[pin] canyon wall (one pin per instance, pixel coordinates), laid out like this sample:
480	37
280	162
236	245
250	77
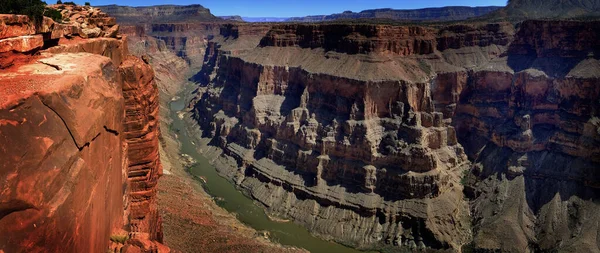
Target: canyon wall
530	123
551	9
184	29
79	138
438	137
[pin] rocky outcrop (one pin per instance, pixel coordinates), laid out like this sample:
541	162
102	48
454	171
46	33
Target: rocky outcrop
190	40
378	155
55	167
83	21
141	135
15	26
83	115
438	14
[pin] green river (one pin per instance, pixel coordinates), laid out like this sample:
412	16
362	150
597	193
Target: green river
246	210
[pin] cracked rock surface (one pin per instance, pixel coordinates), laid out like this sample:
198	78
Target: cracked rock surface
79	158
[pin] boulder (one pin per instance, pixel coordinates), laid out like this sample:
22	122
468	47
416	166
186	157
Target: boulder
89	33
112	32
21	44
108	21
15	25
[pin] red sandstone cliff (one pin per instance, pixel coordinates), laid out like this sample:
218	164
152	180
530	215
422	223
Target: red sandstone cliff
79	135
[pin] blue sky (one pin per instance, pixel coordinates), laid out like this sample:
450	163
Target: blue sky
294	8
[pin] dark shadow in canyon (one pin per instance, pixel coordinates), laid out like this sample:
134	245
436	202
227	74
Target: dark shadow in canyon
556	67
202	78
546	173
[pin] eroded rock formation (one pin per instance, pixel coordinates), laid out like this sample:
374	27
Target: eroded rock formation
79	138
366	134
530	122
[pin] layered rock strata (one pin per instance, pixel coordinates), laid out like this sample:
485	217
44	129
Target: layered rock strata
141	135
375	155
363	159
386	39
530	123
187	41
80	139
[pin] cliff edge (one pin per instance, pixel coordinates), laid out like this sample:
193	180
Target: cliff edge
79	137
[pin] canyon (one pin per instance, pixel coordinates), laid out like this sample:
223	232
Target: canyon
402	137
422	137
82	145
479	135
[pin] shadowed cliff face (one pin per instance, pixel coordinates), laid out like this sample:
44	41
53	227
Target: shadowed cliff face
385	39
519	10
374	135
79	137
553	8
532	131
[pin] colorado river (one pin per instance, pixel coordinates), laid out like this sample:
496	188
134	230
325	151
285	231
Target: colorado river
232	200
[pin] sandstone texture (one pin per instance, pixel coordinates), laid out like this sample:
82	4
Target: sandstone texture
141	128
448	137
55	165
79	134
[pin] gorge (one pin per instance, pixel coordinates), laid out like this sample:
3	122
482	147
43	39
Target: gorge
478	135
436	140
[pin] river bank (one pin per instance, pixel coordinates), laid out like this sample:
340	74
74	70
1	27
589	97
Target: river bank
214	169
192	221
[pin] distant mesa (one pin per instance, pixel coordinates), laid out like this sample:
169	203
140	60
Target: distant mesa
160	14
265	19
232	18
437	14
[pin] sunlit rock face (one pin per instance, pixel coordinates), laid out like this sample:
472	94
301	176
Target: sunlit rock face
380	135
79	134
